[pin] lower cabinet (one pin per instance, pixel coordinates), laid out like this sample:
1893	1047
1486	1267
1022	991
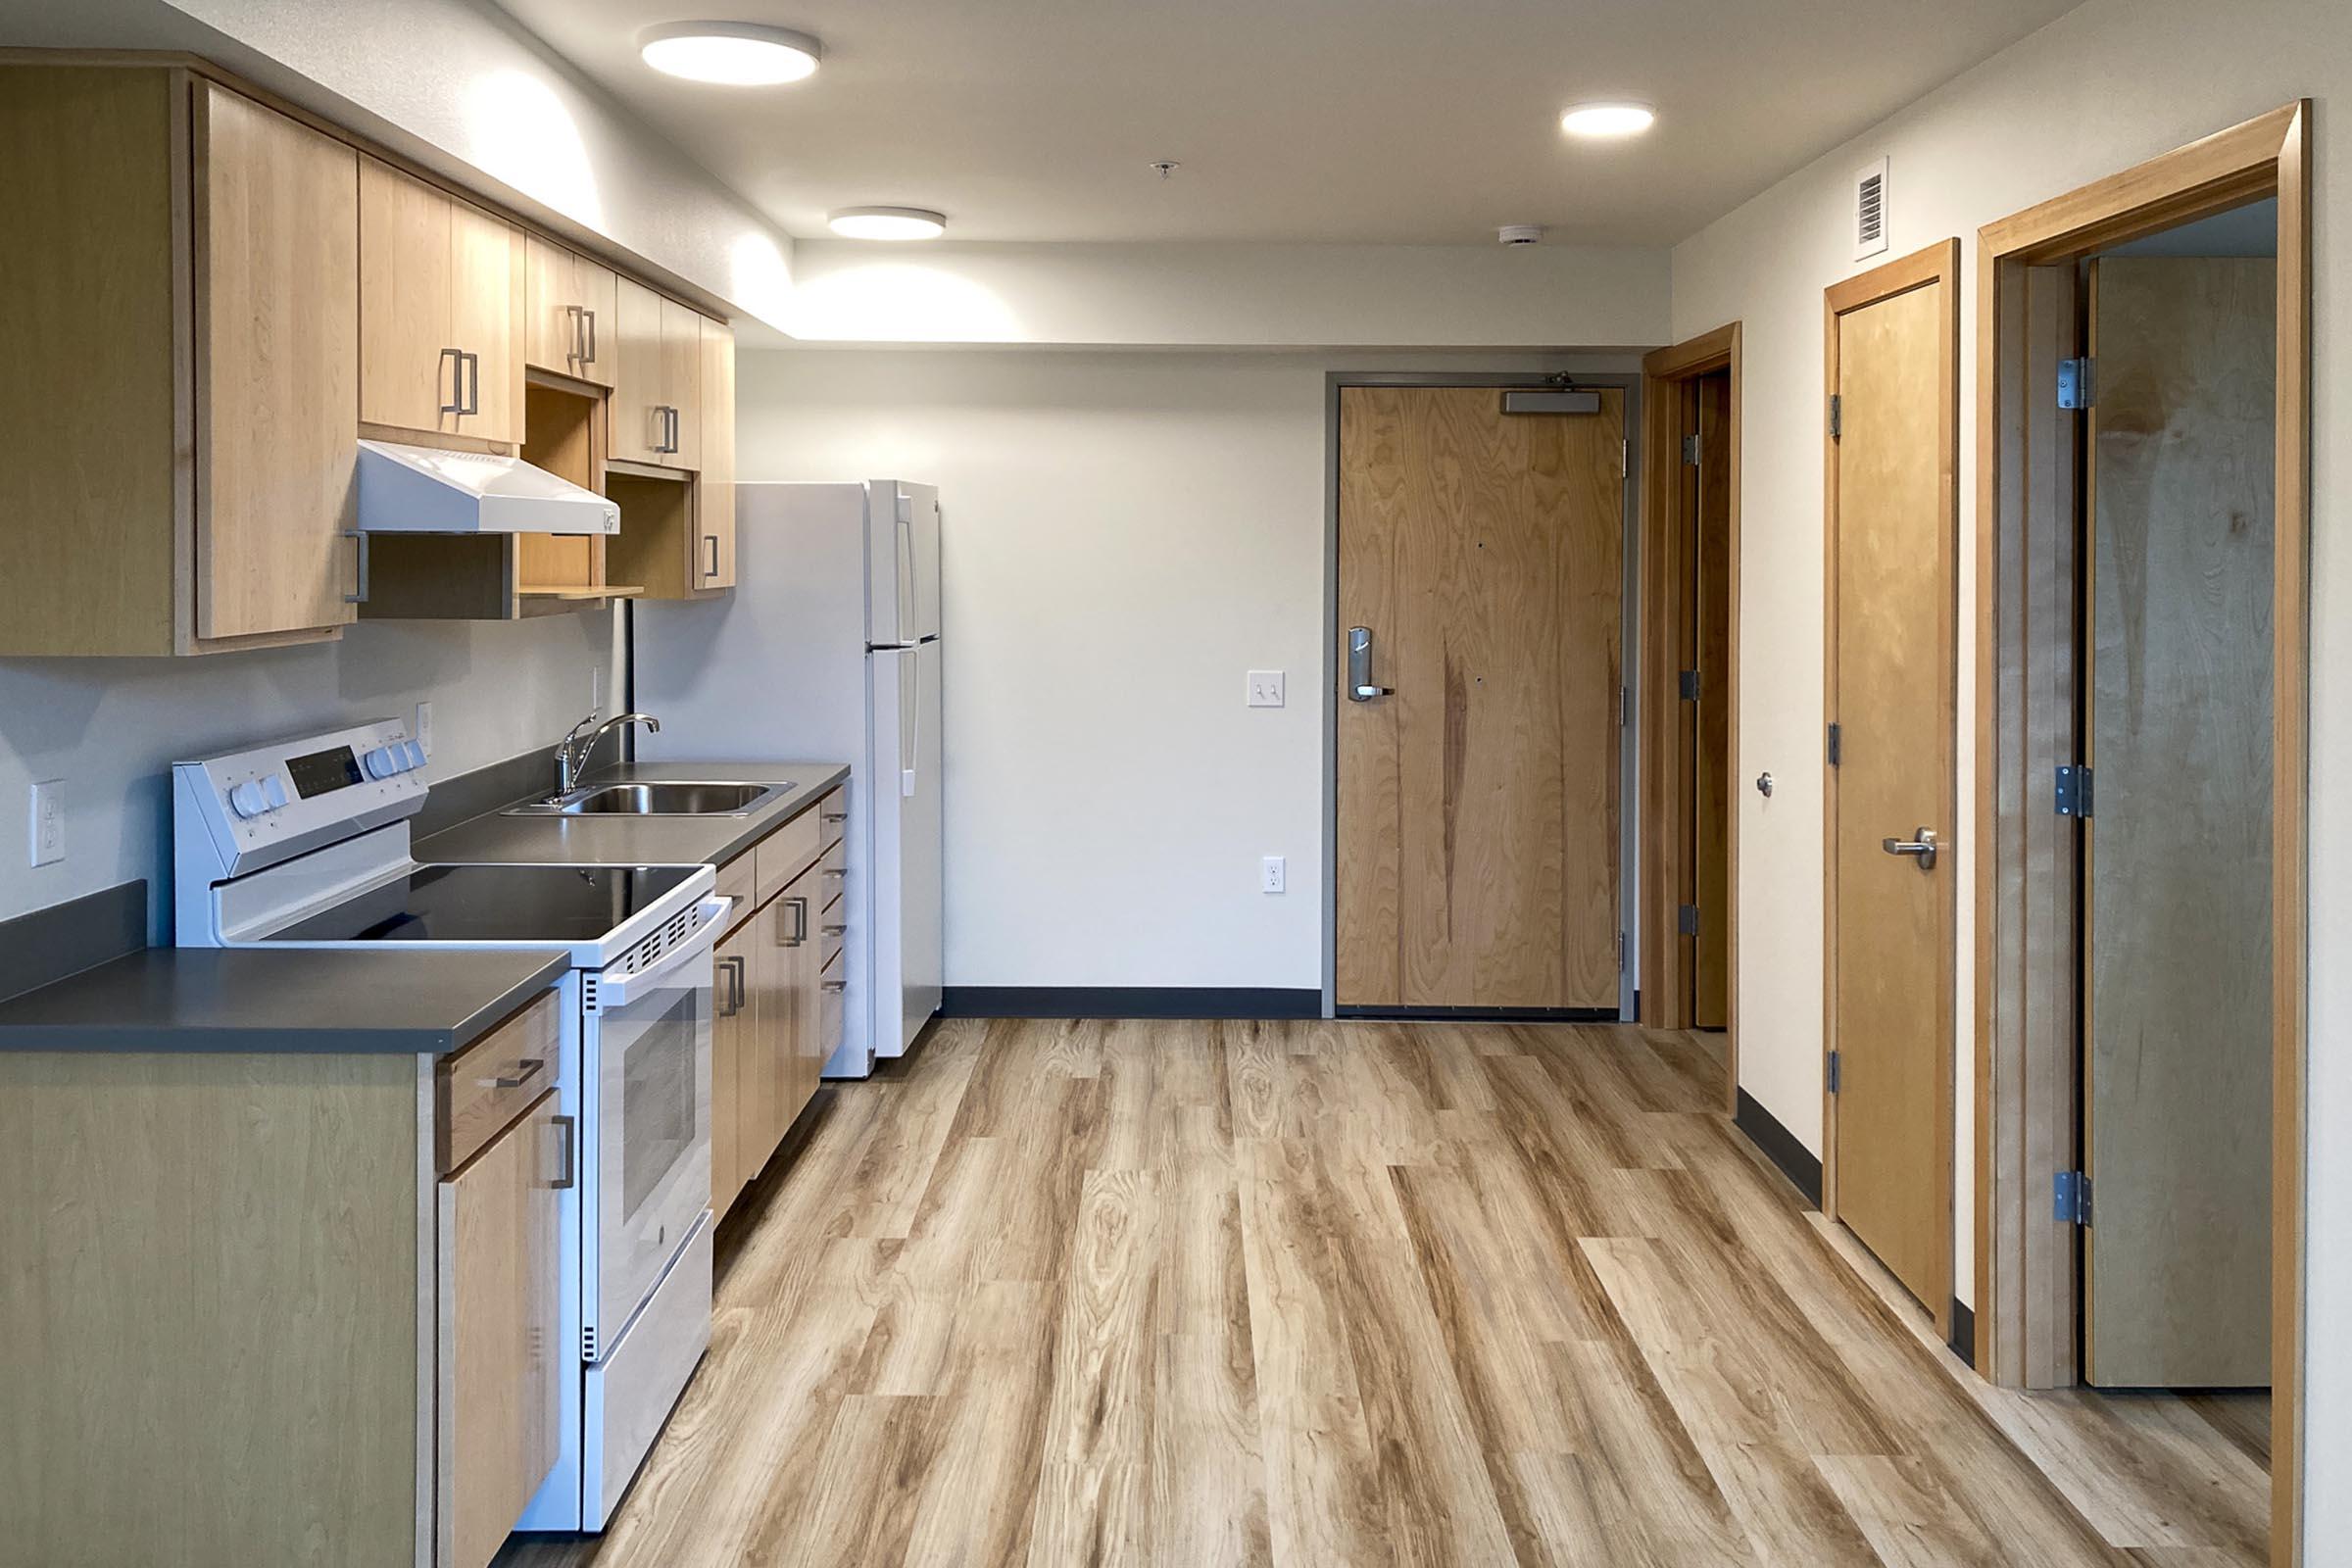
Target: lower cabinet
779	993
498	1402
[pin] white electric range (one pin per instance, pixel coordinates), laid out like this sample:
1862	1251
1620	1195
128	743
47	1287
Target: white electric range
306	842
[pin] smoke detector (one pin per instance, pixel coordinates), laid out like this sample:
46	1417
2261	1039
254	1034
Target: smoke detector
1520	233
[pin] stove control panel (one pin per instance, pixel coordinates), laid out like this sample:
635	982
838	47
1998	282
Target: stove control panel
266	802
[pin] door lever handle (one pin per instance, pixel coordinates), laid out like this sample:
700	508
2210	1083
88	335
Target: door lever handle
1922	848
1361	688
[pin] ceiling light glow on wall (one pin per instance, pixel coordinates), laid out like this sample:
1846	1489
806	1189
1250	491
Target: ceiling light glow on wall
1602	121
731	54
888	223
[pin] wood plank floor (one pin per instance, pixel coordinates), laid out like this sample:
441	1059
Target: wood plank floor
1354	1294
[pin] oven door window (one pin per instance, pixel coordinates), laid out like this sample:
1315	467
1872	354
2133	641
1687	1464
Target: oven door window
658	1102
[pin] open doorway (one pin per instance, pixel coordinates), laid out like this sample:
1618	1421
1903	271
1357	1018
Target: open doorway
1690	606
2142	511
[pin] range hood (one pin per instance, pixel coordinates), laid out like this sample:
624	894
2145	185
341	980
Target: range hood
405	489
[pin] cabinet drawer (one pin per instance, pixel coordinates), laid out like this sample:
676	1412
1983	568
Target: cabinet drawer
833	816
737	880
785	854
491	1082
833	926
832	875
831	988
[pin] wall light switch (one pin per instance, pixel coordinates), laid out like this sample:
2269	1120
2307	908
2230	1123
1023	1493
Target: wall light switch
48	839
1265	688
423	729
1270	875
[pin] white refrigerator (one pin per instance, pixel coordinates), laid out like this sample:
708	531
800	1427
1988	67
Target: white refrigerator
829	649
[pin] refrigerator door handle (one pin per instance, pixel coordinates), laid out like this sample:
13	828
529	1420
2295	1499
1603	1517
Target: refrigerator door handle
908	631
910	727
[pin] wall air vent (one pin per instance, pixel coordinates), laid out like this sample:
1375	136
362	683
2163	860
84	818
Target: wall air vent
1869	210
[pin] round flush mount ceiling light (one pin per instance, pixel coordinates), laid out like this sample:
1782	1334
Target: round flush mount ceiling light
1604	121
888	223
731	54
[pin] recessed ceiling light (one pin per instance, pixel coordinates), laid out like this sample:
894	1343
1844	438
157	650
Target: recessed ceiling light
1607	119
888	223
732	54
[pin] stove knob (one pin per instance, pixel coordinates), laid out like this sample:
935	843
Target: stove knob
274	794
380	762
247	798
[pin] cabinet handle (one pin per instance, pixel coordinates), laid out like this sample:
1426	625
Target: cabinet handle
474	404
836	816
577	316
712	540
359	540
733	966
590	356
800	923
834	930
526	1069
572	1152
837	984
456	382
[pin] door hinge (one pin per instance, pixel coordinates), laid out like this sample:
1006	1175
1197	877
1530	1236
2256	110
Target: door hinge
1621	952
1691	449
1837	1076
1836	415
1689	685
1837	744
2078	382
1625	458
1625	706
2070	1197
2073	791
1685	920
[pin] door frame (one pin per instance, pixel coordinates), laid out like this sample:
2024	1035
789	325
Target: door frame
1937	263
1667	781
2026	985
1335	661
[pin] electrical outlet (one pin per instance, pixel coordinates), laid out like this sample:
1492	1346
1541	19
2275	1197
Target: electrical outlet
48	826
423	729
1270	875
1265	688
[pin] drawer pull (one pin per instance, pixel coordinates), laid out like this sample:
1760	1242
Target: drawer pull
837	984
835	930
836	816
572	1150
799	922
528	1069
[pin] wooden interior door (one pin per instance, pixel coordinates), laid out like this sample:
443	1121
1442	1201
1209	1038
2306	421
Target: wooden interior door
1477	811
1892	695
2176	1033
1710	655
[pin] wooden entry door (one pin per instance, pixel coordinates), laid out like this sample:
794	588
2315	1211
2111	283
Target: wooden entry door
1892	693
2177	1032
1477	811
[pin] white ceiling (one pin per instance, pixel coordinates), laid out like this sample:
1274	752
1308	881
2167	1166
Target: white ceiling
1370	120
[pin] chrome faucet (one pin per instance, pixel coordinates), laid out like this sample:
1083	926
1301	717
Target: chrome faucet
574	750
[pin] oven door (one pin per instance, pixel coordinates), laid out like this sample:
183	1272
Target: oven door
648	1046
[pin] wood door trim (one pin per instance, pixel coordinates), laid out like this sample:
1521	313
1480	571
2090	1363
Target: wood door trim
1937	263
2268	154
1663	786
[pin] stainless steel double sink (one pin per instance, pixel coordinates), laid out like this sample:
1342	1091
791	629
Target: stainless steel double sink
656	797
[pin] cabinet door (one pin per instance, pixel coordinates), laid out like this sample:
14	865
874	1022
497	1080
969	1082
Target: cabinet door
408	364
802	1064
570	312
485	273
277	369
682	383
736	1011
640	428
714	487
497	1411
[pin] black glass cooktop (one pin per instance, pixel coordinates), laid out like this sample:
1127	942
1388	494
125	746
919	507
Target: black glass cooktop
550	904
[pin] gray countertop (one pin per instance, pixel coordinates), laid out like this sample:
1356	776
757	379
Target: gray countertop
296	999
497	840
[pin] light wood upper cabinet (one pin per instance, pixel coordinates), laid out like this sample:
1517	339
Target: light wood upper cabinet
714	487
573	309
178	400
498	1406
440	284
658	381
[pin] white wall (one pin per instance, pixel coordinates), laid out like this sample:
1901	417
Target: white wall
462	88
1125	535
110	728
2104	87
1230	296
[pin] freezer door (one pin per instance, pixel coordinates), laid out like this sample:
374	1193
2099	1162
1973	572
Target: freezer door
902	562
922	874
